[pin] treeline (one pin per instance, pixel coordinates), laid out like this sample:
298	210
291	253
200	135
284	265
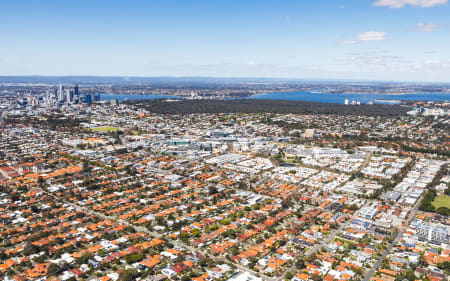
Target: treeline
49	122
86	162
161	106
426	150
427	202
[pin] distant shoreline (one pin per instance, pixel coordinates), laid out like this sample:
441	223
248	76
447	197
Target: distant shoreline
354	93
306	96
363	98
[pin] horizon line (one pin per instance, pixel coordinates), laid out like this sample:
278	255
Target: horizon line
227	77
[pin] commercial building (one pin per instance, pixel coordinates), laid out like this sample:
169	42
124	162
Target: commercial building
433	234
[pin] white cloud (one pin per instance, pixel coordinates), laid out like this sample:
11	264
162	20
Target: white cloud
383	61
396	4
432	62
426	27
371	36
435	65
348	42
365	36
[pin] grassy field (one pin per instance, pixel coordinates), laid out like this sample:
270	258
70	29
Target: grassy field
441	201
106	129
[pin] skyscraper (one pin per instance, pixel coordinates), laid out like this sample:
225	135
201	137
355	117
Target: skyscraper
88	99
70	96
76	98
61	93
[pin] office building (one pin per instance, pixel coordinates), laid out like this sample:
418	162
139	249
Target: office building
433	234
61	93
114	102
88	99
76	94
69	96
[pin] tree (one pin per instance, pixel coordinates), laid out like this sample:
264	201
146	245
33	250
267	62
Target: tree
443	211
101	253
195	232
286	203
30	249
35	209
127	275
83	259
300	264
243	185
212	190
86	167
41	180
160	220
133	258
185	237
52	269
409	274
289	275
14	196
426	204
393	234
445	266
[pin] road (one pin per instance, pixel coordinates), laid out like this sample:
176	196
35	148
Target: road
406	222
177	243
413	212
317	247
383	256
328	239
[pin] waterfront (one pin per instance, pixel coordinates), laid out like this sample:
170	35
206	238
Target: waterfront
309	96
363	98
122	97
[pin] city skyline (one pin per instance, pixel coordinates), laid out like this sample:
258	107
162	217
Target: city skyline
403	40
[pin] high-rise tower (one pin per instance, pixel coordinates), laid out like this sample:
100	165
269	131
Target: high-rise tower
61	93
69	96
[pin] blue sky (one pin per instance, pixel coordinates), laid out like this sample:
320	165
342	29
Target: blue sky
327	39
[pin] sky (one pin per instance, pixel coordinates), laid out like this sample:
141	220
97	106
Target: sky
400	40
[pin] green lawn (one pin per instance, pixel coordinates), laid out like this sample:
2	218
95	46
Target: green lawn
441	201
344	241
106	129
